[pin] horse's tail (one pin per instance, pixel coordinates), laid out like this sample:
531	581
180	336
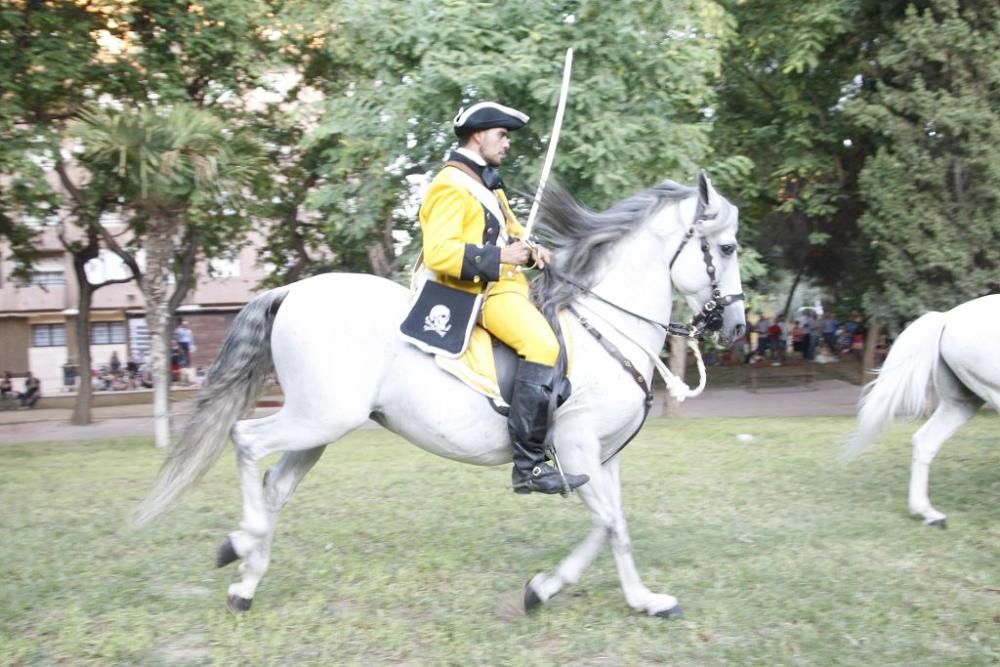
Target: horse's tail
230	391
903	382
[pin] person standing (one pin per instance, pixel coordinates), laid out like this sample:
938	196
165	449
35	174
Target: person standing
6	386
32	391
185	341
474	243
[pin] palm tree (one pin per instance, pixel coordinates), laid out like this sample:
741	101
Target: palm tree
166	167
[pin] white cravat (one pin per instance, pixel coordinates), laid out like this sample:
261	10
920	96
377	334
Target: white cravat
472	155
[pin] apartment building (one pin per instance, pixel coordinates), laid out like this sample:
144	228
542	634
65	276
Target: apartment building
38	321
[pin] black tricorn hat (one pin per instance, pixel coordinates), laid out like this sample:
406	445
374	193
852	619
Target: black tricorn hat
486	115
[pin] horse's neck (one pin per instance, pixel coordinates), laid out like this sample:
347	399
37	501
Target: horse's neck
637	280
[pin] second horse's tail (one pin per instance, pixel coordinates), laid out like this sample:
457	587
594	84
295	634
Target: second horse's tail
230	391
903	382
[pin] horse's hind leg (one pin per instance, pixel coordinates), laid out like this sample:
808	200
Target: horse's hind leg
280	481
255	439
946	420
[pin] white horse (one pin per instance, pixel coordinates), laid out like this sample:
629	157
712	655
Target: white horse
946	356
335	346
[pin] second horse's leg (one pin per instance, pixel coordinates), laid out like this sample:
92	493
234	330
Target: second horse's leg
946	420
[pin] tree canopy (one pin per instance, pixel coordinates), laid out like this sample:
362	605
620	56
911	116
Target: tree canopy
857	135
932	186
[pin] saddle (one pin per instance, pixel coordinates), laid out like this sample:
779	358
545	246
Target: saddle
488	366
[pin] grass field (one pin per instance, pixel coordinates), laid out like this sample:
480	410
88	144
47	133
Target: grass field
388	555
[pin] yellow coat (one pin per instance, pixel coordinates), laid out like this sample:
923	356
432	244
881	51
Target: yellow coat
460	237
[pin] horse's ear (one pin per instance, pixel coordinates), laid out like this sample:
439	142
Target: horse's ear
707	194
705	189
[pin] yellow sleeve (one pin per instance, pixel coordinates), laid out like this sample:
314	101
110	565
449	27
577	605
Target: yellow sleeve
448	249
442	218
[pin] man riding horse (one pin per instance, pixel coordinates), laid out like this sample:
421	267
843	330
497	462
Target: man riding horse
471	250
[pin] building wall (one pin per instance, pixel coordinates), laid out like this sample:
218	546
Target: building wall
46	363
209	330
221	291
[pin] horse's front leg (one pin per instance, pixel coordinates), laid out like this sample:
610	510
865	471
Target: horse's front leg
544	586
607	502
602	495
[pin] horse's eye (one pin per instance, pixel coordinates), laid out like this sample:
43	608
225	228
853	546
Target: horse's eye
728	249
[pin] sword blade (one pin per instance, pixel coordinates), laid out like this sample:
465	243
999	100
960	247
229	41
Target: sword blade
553	142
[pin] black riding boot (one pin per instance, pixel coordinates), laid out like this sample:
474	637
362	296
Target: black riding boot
528	423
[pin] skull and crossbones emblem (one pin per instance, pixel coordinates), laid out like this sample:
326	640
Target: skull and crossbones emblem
437	320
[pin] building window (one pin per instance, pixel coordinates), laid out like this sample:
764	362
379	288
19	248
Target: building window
106	266
48	335
48	271
224	267
107	333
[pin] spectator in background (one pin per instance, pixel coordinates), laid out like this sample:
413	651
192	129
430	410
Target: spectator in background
6	386
176	361
116	364
185	340
775	341
32	391
808	346
132	369
852	324
798	336
828	327
762	327
70	372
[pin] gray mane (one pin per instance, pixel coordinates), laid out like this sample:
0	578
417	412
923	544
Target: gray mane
580	238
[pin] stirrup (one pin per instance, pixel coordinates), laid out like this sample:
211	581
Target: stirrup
527	483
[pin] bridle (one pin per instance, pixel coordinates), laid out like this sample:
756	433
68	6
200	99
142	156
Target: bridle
709	318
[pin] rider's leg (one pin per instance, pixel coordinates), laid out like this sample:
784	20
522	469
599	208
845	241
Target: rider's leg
512	318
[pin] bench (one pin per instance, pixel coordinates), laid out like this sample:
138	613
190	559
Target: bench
759	378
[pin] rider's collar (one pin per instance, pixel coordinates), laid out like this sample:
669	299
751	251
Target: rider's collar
491	179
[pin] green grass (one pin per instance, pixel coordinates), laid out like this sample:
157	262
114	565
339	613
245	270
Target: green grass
388	555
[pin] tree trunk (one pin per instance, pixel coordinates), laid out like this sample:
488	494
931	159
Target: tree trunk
84	394
868	360
791	292
678	365
159	251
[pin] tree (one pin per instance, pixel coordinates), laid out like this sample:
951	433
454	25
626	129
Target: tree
47	56
932	189
58	58
788	73
178	172
637	111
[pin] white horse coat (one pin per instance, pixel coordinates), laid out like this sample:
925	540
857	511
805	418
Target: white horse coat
336	349
951	356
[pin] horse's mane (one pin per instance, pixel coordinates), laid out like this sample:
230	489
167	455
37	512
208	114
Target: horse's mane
581	238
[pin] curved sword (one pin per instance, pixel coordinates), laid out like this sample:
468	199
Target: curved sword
553	142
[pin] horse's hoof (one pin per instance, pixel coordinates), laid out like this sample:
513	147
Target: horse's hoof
938	523
227	554
531	599
673	612
237	604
